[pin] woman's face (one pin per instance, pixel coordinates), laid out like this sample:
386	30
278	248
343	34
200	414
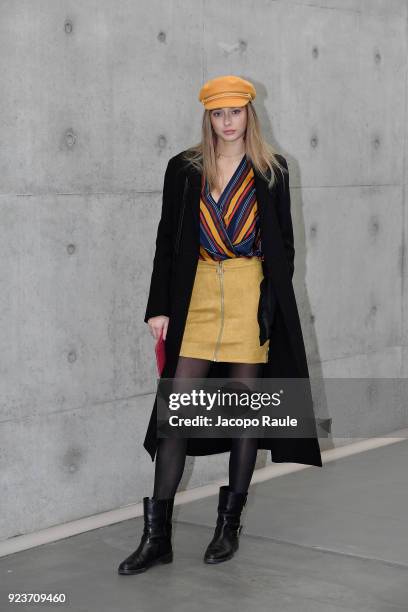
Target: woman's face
229	122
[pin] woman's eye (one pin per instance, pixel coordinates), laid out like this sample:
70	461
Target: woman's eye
235	112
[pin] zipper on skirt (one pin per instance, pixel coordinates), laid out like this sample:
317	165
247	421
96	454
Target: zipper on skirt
220	272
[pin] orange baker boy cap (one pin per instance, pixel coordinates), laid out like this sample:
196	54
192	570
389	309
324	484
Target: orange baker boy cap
226	91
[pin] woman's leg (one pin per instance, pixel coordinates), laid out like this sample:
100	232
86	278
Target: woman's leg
232	498
155	545
243	450
171	452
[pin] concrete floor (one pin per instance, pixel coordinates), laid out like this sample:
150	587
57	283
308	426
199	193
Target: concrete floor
321	539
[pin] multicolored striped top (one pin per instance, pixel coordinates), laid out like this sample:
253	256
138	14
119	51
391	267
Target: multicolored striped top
230	227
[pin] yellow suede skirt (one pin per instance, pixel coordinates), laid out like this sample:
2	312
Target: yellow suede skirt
222	320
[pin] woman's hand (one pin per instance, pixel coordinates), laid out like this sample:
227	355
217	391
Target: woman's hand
157	324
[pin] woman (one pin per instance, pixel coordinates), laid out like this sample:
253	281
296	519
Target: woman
221	294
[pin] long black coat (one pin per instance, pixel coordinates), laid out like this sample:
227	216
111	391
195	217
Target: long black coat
172	283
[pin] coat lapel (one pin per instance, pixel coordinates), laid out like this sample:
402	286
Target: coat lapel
262	194
194	191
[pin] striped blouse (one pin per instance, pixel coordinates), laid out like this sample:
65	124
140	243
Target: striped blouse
230	227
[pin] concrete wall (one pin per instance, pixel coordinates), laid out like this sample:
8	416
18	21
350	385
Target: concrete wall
95	98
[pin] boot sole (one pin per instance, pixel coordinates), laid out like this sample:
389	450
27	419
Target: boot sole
164	559
213	561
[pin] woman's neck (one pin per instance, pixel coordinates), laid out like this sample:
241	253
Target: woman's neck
230	150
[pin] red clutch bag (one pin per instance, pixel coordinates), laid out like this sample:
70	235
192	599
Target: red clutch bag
160	350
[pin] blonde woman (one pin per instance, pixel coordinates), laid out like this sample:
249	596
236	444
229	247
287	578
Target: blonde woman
221	295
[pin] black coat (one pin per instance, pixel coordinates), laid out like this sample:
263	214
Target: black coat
172	283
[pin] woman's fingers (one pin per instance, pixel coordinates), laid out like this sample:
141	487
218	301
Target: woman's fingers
155	330
165	326
158	326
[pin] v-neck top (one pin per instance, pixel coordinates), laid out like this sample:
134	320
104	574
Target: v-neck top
230	227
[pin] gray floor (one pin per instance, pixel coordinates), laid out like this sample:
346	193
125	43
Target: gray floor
322	539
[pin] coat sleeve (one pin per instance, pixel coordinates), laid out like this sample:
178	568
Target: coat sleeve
158	302
285	218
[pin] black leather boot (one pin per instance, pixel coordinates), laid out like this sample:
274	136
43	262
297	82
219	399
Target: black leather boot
226	537
155	546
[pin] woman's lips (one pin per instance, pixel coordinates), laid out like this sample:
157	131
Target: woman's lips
229	131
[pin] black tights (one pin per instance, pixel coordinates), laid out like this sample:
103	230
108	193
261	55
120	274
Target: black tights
171	452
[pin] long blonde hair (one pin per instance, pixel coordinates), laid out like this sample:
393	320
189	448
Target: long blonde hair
260	153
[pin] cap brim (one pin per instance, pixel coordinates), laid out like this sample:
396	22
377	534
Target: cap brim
226	102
